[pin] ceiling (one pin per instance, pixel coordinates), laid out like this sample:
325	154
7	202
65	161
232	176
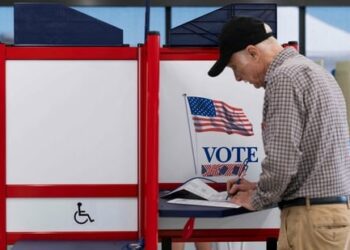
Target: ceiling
169	3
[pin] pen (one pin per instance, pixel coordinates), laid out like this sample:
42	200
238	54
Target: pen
245	168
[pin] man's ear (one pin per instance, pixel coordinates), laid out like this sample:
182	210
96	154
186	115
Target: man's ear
253	52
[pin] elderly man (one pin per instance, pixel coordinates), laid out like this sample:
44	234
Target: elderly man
305	134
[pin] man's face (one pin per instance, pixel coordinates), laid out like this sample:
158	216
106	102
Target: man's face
247	67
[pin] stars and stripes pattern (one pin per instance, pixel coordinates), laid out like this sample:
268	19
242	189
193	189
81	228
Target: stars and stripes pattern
222	169
216	116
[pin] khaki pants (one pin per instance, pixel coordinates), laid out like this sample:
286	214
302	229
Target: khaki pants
315	227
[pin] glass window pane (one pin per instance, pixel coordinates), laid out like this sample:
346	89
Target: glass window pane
130	19
287	24
6	24
328	34
181	15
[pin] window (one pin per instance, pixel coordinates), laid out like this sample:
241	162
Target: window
328	34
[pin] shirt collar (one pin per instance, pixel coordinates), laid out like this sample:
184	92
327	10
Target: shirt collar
279	60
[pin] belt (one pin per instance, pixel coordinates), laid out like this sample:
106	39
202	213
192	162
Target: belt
313	201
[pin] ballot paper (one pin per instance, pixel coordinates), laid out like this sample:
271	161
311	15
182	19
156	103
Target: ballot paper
197	192
203	203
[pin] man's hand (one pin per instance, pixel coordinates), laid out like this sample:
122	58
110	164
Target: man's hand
241	193
243	198
244	185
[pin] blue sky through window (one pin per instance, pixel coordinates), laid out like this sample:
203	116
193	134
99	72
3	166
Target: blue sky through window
334	16
333	21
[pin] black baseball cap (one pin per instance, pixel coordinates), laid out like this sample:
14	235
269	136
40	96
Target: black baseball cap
236	35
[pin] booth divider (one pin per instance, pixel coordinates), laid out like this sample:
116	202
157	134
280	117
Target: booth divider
149	139
2	149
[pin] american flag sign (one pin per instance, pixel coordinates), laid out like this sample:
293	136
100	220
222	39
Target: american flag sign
216	116
222	169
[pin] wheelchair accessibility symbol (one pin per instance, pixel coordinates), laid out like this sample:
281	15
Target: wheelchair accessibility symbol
80	216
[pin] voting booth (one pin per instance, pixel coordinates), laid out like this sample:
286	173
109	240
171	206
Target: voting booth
210	152
209	128
74	158
90	134
71	144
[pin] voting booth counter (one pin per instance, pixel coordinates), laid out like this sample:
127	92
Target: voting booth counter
89	135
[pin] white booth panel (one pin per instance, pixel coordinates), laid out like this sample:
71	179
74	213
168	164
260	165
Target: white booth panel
56	214
176	158
191	78
71	122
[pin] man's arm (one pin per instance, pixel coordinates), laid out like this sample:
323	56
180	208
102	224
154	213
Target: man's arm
284	129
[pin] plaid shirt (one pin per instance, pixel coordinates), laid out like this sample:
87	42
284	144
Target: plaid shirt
305	133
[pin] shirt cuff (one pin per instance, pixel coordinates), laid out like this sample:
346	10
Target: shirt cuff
258	202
